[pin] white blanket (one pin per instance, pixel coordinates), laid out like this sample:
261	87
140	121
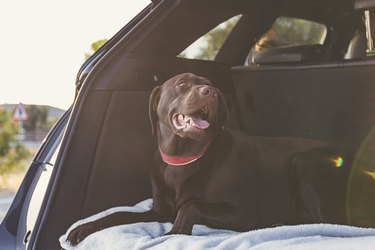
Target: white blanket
151	236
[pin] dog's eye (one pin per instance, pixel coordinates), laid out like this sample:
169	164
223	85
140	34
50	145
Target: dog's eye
181	84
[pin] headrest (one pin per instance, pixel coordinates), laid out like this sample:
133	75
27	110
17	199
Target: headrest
289	54
364	4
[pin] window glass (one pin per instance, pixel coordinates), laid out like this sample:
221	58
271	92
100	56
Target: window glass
207	46
288	31
40	189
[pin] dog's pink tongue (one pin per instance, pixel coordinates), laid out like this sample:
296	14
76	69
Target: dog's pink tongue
186	122
199	123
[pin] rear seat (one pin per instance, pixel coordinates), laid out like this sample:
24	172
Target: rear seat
329	101
357	47
289	54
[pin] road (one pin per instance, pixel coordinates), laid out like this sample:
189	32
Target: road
5	201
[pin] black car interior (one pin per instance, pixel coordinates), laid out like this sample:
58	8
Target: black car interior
292	91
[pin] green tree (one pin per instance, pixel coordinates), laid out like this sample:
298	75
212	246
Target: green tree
7	131
215	39
293	31
38	118
11	153
209	45
288	31
95	46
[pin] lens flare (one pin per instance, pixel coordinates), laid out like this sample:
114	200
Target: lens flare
361	184
338	161
370	173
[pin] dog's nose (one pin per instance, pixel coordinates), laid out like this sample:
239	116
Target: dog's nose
206	91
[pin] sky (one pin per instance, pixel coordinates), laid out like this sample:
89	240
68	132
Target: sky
43	43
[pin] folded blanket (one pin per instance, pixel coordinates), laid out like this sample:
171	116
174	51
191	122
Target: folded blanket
151	236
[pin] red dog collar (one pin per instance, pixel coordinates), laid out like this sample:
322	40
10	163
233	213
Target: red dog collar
178	161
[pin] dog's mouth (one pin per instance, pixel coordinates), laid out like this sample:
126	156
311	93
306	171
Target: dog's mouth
196	120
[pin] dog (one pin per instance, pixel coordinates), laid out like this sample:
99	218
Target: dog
205	173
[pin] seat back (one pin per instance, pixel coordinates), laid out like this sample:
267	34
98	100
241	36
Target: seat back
333	101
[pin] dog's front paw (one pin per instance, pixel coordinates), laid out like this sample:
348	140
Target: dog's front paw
81	232
178	230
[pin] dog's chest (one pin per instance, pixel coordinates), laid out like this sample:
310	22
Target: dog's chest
179	178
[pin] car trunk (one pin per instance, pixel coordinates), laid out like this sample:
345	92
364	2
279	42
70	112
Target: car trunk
110	144
113	147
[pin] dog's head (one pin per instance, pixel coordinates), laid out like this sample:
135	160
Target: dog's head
189	105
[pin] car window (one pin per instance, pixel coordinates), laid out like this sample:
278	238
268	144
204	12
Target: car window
207	46
287	31
40	189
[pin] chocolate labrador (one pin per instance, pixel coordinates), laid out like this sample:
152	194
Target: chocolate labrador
204	173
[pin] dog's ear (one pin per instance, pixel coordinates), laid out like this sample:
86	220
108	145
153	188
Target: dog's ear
223	110
152	107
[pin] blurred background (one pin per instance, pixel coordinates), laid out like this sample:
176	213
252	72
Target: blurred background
44	43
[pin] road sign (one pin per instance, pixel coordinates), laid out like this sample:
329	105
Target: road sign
20	113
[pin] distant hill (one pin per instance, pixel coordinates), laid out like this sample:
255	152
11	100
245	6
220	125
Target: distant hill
53	113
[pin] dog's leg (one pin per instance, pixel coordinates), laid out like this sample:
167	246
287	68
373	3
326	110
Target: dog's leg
119	218
215	215
319	177
307	201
